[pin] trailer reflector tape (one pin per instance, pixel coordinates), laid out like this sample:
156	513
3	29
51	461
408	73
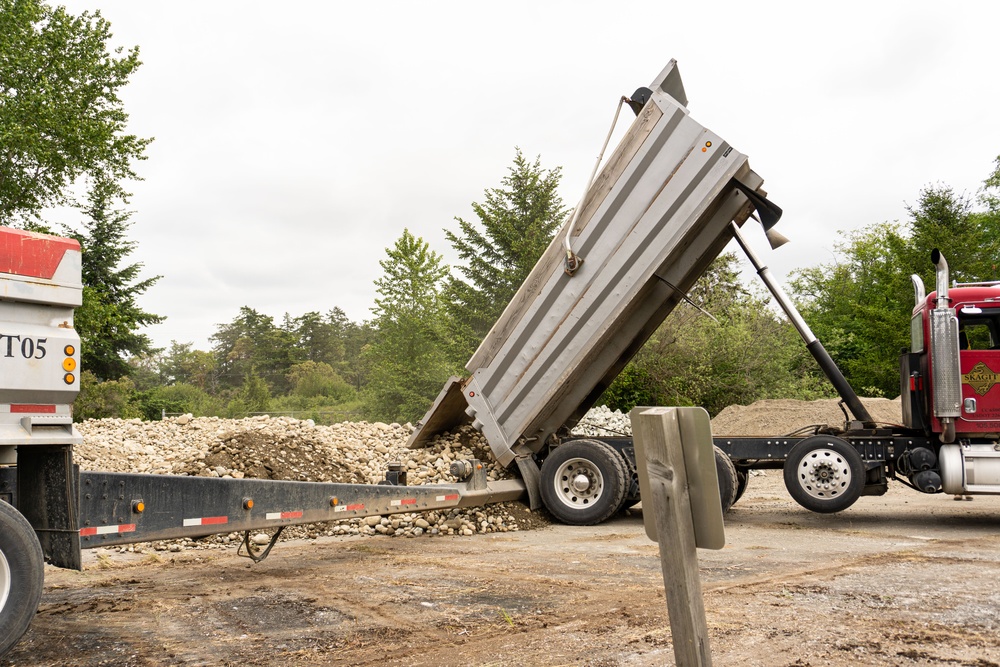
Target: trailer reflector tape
206	521
37	409
108	530
403	501
271	516
349	508
450	496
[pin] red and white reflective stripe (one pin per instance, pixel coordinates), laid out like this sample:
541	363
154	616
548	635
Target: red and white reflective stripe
349	508
108	530
206	521
271	516
450	496
403	501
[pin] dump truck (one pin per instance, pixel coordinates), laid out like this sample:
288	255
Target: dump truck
666	203
663	207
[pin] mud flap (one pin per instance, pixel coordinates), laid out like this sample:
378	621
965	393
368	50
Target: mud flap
532	480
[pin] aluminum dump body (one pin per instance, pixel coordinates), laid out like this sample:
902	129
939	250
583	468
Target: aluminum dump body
651	223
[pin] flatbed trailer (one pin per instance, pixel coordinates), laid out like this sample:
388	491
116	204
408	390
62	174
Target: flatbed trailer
50	510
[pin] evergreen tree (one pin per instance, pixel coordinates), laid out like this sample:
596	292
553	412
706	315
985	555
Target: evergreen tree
109	320
407	359
516	223
252	342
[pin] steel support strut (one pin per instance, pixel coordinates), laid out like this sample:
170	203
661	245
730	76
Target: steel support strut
815	347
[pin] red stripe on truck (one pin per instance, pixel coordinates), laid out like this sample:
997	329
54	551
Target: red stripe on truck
32	255
35	409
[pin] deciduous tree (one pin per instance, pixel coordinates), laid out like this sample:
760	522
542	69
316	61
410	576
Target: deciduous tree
61	116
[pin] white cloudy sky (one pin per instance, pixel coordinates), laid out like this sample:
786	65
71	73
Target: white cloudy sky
295	140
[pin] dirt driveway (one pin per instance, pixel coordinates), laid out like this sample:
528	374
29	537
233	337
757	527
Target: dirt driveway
904	579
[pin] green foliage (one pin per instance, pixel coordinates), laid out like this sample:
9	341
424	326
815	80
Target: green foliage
516	224
632	387
60	113
112	398
184	365
747	353
252	344
860	306
408	364
180	398
253	396
310	379
110	317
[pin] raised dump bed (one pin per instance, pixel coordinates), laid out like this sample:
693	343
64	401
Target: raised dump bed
650	224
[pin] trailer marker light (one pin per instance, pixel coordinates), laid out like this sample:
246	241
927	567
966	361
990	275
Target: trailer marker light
69	350
69	378
138	506
333	501
248	503
69	364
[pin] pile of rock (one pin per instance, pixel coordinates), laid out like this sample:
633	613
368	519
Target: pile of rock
290	449
602	421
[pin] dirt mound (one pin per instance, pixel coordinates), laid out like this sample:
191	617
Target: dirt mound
784	416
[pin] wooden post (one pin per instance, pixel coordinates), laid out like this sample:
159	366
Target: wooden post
667	513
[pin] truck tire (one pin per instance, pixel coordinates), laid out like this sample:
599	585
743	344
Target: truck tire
583	482
21	576
824	474
742	482
728	480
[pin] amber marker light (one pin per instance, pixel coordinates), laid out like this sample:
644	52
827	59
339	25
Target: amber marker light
69	378
248	503
69	350
69	364
138	506
334	501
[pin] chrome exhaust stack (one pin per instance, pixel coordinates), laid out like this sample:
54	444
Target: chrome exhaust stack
945	370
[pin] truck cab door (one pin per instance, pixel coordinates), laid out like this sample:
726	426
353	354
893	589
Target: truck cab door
979	361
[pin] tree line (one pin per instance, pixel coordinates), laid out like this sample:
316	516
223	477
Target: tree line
64	132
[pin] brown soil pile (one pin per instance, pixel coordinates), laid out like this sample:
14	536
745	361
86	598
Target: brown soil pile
784	416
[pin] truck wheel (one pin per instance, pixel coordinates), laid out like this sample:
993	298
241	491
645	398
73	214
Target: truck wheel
742	482
824	474
728	481
583	482
21	576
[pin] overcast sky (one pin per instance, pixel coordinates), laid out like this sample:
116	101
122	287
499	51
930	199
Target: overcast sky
294	141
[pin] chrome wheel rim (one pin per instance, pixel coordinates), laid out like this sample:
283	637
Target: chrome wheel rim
578	483
4	581
824	474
